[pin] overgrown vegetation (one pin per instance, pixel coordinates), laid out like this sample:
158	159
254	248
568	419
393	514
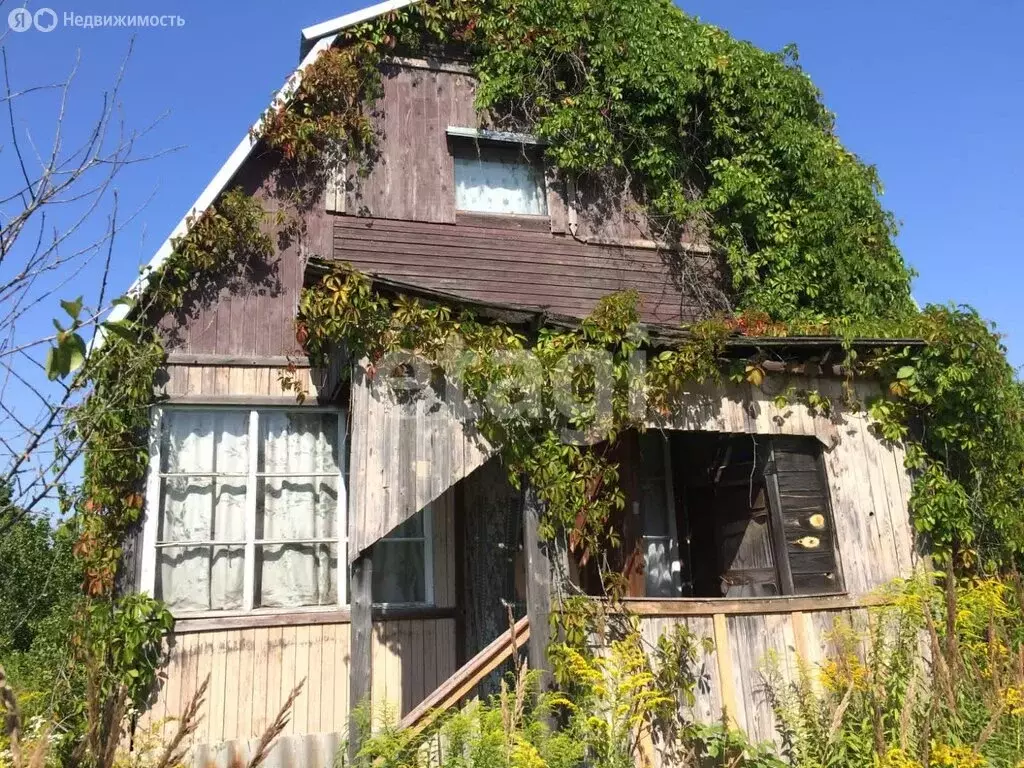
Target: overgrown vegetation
110	643
715	137
613	710
883	700
876	700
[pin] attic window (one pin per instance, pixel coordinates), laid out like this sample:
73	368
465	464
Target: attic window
497	173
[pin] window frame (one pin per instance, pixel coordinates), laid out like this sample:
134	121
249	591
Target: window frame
153	511
776	524
428	560
529	147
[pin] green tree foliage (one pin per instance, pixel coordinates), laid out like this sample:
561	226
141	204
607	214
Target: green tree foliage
39	584
959	407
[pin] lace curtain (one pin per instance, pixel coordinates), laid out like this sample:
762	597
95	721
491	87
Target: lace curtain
205	457
299	503
205	478
498	181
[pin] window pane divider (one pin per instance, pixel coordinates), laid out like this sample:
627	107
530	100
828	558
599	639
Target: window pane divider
249	562
298	475
200	543
283	542
205	474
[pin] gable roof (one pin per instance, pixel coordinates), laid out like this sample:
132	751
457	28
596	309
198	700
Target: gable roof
315	39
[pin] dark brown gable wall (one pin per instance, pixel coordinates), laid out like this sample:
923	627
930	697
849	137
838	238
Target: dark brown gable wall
251	311
399	218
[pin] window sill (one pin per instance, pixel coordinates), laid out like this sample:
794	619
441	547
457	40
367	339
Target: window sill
303	617
698	606
514	221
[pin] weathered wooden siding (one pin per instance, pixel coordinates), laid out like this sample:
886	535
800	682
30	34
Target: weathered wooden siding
732	675
400	463
237	381
403	457
413	175
410	181
500	261
252	672
251	309
868	483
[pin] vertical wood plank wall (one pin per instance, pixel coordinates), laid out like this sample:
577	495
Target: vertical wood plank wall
732	675
404	455
252	670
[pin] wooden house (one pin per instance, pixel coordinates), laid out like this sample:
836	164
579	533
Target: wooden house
369	546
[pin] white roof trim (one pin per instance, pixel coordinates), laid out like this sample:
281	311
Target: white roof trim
333	26
325	35
210	194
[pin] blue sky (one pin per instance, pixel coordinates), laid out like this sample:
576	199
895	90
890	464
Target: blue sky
929	92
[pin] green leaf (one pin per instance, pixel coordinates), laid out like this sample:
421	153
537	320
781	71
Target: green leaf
906	372
76	352
73	308
122	329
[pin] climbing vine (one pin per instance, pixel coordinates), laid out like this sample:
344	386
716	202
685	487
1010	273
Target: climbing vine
717	135
116	641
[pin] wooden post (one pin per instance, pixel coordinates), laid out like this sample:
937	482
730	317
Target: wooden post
538	585
361	650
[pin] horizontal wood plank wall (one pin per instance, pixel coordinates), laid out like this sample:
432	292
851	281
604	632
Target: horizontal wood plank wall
252	671
403	457
500	263
733	673
868	484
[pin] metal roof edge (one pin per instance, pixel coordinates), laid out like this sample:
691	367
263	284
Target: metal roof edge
335	25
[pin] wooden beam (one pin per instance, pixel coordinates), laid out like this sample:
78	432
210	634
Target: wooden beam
780	549
538	585
725	670
243	361
460	684
361	649
695	606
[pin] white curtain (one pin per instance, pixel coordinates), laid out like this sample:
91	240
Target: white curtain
203	507
662	571
499	183
297	507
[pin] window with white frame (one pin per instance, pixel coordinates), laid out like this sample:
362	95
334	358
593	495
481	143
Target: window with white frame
500	178
403	565
248	509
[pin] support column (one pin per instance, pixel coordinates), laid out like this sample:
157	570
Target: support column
538	585
361	648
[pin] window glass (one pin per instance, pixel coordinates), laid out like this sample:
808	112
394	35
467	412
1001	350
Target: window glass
498	179
661	551
206	480
399	563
